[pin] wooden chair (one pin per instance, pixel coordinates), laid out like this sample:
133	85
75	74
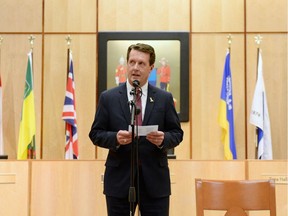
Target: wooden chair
235	196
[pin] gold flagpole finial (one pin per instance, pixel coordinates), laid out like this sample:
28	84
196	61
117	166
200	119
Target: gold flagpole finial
31	39
1	40
258	39
229	38
68	40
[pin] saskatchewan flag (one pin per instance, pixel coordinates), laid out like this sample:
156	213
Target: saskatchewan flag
26	143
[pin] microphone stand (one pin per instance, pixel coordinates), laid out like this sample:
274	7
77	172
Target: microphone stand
132	191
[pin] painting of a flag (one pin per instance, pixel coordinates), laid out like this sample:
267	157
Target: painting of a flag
26	143
69	114
225	116
259	115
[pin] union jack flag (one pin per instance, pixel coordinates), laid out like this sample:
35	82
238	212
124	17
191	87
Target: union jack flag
69	114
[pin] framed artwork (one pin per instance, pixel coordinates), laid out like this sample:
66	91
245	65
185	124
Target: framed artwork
172	51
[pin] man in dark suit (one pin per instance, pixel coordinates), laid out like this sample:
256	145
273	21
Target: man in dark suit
110	130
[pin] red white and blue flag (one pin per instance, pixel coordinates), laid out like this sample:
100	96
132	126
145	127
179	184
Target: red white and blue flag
69	115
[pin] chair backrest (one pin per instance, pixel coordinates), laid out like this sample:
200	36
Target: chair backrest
235	196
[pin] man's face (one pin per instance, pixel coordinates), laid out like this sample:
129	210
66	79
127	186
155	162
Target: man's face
138	67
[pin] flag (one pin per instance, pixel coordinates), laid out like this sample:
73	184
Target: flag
1	118
69	114
259	116
225	116
26	143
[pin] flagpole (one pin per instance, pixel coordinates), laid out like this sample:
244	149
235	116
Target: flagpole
225	114
232	144
31	38
1	126
229	38
258	40
69	110
68	43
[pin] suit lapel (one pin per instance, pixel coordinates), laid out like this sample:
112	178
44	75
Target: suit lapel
123	100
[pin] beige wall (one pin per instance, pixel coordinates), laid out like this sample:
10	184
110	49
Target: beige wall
208	22
69	188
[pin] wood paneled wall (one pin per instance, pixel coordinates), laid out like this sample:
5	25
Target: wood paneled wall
70	188
208	22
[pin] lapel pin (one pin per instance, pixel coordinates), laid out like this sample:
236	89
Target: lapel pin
151	100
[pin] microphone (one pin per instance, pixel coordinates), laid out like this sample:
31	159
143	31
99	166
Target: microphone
138	110
134	109
136	83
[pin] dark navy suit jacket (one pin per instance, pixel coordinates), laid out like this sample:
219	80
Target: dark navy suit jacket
112	115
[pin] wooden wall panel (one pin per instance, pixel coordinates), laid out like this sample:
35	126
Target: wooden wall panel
55	69
144	15
208	58
79	184
267	15
70	16
217	16
14	188
67	188
183	151
21	16
276	170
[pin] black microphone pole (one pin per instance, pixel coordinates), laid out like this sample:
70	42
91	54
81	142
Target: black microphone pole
132	191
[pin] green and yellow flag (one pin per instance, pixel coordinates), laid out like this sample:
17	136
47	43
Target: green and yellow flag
26	143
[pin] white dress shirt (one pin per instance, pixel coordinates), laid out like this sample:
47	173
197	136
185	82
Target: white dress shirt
144	89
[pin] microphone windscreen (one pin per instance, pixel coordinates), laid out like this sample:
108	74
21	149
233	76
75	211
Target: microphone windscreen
136	83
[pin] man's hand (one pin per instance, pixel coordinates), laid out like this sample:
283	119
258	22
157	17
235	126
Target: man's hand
124	137
155	137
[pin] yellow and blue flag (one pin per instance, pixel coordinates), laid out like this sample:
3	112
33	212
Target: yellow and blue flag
225	116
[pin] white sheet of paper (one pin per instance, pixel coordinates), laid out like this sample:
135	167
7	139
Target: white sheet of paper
144	130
